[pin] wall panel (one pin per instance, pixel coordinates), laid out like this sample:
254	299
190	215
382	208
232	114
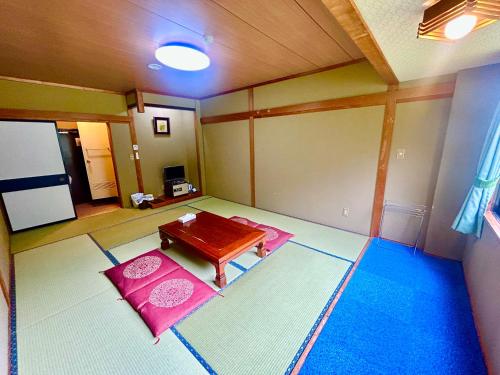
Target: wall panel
227	161
125	166
223	104
313	165
157	151
351	80
419	130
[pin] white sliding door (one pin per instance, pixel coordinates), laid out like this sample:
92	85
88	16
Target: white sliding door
33	182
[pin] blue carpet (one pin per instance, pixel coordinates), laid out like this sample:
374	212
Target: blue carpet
400	314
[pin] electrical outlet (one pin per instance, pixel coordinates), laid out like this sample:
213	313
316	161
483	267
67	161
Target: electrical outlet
345	212
401	154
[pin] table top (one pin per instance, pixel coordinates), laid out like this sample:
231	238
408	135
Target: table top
216	237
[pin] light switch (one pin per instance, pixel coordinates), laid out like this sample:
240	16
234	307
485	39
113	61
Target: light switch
345	212
137	155
131	156
401	154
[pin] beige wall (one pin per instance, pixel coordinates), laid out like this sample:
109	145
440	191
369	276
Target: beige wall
419	129
23	95
482	272
473	105
350	80
227	161
124	162
158	151
229	103
313	165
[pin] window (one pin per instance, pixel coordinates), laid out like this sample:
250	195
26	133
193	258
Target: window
496	203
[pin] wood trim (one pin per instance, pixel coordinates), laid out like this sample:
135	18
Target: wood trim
493	222
348	16
198	159
427	92
117	178
318	106
139	101
5	291
296	75
251	130
166	106
29	114
410	94
329	311
47	83
133	138
383	161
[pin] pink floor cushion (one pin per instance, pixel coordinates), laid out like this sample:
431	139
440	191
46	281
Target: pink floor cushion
140	271
169	299
243	220
274	237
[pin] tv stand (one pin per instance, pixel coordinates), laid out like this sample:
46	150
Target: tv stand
165	201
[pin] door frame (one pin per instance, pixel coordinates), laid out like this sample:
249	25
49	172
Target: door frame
54	116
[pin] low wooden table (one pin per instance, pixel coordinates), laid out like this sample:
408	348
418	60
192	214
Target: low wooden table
214	238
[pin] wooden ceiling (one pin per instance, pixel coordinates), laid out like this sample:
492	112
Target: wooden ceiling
107	44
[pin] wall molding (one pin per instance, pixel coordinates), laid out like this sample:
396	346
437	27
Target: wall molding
30	114
417	93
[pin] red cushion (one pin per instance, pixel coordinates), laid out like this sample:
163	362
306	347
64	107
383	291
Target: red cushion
141	270
169	298
243	220
274	237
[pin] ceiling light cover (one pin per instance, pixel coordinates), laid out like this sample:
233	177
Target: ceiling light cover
453	19
460	27
182	56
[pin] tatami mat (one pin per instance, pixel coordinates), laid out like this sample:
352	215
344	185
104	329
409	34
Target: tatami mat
55	277
260	325
48	234
132	230
194	264
334	241
101	336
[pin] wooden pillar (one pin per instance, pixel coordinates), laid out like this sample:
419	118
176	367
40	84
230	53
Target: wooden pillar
139	101
252	147
383	160
133	138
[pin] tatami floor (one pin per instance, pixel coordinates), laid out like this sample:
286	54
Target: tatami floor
70	321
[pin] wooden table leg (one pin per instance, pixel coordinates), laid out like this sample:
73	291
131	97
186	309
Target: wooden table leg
220	277
164	242
261	250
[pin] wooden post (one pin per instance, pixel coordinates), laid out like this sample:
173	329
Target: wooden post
133	138
252	146
383	160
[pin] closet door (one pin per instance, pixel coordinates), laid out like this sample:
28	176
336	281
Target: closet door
33	182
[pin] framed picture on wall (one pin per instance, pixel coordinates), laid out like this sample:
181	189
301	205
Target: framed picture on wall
161	125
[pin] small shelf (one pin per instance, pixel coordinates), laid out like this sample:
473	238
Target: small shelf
163	200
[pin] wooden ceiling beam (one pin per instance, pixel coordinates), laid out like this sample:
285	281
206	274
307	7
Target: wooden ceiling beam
349	17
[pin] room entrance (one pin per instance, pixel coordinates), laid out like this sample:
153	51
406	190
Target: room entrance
87	157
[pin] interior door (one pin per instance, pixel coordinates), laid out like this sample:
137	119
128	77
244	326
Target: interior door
33	181
98	160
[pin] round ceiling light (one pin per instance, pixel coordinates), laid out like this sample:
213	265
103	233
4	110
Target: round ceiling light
182	56
460	27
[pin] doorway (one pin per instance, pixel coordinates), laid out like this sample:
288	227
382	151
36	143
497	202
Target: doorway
88	158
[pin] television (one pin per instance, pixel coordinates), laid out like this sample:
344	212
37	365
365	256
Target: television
173	173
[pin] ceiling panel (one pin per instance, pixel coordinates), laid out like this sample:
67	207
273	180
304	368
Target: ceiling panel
394	25
107	44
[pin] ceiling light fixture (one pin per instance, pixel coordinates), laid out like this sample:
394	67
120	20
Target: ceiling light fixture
182	56
454	19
